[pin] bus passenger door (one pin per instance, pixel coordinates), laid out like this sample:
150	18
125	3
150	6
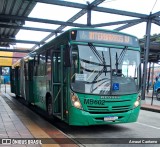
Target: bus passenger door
12	75
59	84
29	81
17	81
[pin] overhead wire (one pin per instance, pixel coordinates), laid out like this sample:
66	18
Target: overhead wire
109	1
86	1
153	6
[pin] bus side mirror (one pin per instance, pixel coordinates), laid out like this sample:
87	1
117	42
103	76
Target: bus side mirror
67	56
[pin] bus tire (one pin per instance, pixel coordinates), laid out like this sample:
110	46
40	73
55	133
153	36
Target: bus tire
17	96
28	104
49	106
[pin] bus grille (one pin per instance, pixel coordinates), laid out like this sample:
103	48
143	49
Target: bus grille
108	109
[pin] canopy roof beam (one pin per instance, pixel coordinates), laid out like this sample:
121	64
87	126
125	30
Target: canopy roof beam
72	19
156	22
9	57
128	25
118	22
15	50
12	17
154	15
19	41
28	28
95	8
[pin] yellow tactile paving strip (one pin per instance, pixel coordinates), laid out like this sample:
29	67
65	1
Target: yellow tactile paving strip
48	131
37	132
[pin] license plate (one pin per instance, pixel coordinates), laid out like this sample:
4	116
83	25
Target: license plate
110	118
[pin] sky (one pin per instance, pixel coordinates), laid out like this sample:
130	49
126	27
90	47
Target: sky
55	12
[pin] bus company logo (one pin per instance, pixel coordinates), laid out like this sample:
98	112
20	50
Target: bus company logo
109	97
6	141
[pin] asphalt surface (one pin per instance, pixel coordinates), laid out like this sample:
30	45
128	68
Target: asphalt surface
146	128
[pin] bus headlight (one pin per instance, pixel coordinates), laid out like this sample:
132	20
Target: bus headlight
75	101
137	102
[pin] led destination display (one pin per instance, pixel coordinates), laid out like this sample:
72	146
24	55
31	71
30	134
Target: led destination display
105	37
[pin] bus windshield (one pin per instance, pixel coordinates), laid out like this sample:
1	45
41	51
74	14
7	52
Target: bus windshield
105	71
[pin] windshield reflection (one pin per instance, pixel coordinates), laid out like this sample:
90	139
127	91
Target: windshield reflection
105	71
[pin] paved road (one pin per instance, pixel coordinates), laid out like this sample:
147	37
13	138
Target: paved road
148	126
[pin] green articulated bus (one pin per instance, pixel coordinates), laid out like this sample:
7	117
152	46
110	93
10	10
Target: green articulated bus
85	76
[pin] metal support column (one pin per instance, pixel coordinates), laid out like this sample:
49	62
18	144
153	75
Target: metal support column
61	72
148	79
89	15
146	54
152	80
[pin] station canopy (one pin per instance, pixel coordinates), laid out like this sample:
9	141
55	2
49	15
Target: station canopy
27	24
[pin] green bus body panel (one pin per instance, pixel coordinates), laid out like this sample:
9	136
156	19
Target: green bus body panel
41	86
39	91
96	108
29	91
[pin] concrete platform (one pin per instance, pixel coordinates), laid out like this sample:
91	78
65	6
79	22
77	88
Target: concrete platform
151	104
19	126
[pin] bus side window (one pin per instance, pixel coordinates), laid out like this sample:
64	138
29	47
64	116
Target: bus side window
48	60
30	70
75	62
36	65
26	70
42	63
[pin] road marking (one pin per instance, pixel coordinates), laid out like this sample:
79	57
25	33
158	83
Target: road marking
148	125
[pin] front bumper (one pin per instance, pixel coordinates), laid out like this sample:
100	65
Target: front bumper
79	117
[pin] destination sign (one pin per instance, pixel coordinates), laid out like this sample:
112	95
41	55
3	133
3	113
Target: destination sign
105	37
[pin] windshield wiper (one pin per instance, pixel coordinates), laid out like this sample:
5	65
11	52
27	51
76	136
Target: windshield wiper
120	58
106	80
104	64
100	58
92	47
122	54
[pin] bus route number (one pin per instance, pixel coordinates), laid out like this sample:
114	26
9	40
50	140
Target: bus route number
94	102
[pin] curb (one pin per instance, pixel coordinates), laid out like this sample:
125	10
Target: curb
150	109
